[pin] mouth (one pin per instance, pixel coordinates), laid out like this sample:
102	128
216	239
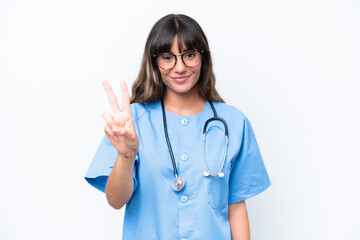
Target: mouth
180	79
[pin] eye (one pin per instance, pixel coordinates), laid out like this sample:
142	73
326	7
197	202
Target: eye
190	55
167	57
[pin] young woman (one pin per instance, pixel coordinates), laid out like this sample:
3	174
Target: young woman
182	160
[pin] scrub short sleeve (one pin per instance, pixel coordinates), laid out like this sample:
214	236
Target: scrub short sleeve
248	175
102	164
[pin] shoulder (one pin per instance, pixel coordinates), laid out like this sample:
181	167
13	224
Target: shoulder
236	120
228	111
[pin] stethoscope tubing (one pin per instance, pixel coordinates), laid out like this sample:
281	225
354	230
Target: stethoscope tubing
208	173
179	181
167	139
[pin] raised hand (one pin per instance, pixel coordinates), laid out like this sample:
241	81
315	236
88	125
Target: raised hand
119	126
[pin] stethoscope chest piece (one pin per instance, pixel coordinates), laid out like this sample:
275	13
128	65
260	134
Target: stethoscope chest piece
178	183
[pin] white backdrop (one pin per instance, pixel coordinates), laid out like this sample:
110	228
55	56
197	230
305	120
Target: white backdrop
291	66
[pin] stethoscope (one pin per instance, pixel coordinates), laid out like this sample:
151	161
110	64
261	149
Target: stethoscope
179	182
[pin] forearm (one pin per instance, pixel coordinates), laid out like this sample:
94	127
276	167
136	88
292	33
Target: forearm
119	186
239	221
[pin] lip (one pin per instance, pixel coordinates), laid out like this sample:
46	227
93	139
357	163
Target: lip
180	79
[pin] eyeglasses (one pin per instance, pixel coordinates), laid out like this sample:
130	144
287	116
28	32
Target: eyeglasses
190	58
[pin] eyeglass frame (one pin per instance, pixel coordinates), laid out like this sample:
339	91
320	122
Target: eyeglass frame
176	57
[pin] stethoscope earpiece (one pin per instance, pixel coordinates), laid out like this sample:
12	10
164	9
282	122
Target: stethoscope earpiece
207	174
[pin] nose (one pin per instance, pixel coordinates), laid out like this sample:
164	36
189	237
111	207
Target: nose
179	67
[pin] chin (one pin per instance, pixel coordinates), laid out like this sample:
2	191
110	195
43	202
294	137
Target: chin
183	90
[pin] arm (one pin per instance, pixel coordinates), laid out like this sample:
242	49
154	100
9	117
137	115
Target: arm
120	184
120	130
239	221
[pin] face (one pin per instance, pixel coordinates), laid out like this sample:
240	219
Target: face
180	79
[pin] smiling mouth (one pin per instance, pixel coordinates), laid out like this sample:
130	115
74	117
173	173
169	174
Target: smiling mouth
180	79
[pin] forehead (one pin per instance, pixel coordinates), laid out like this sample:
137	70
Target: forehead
178	45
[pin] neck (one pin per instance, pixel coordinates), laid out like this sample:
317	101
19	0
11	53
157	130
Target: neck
189	103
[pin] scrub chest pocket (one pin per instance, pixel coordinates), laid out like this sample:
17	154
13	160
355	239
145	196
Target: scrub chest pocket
218	189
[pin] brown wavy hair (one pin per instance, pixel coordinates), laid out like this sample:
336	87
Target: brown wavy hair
149	86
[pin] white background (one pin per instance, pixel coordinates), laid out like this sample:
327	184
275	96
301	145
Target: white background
291	66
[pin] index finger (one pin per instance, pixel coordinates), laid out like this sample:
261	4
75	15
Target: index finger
125	97
111	96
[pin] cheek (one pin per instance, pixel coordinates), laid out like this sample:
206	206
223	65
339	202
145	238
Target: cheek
197	72
163	75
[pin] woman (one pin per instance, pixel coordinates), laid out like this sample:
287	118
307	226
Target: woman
175	183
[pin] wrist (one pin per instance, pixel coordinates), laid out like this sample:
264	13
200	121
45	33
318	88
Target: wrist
131	155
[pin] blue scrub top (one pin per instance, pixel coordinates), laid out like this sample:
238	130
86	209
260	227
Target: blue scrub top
200	210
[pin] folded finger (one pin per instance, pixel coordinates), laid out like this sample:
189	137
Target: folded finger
108	118
108	131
